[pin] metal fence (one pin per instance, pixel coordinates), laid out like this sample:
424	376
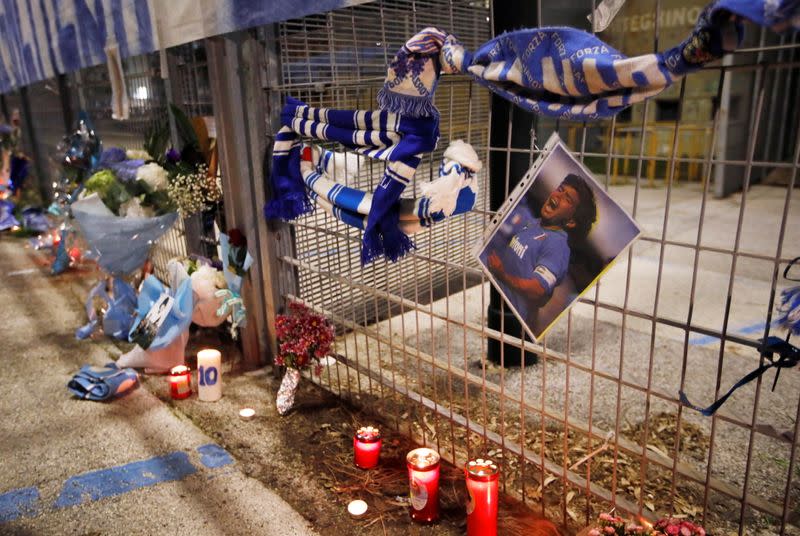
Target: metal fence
596	424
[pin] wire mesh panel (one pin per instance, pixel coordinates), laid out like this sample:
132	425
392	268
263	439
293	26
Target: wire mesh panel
707	169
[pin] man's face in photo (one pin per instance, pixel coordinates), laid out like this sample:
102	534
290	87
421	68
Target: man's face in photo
559	208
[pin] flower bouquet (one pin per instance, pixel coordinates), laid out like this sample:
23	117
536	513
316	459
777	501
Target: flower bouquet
678	527
214	299
304	338
610	525
199	294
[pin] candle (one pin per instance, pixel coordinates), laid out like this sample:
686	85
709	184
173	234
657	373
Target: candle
357	508
180	382
423	477
367	447
209	375
247	413
482	480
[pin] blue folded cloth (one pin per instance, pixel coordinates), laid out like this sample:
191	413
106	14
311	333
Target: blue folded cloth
7	219
35	219
102	383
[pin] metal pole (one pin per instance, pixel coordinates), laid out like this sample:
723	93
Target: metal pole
33	142
65	95
508	15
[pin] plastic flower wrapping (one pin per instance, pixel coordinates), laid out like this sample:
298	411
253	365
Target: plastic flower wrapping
197	293
215	300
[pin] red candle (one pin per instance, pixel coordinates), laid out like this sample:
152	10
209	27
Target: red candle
367	447
482	480
423	478
180	382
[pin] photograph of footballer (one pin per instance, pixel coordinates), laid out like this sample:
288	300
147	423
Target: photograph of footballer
556	235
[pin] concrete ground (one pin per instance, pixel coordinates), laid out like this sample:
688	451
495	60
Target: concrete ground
131	466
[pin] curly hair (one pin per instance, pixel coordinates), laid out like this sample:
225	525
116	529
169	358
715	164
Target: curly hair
586	211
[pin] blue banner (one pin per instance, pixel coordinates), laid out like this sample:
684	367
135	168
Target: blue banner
42	38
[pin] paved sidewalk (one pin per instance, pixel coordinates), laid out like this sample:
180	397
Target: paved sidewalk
130	466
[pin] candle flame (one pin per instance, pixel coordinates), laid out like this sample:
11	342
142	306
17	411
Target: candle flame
644	522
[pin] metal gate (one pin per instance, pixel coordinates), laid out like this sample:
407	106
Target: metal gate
596	424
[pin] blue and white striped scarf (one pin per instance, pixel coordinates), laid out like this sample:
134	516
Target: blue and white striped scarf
454	192
397	139
567	73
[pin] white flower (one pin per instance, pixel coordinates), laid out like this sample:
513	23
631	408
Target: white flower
204	282
137	154
194	191
132	208
154	175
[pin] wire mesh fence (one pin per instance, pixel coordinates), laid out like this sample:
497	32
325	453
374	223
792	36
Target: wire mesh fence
596	423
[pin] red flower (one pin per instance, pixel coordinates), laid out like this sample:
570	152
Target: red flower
236	238
303	337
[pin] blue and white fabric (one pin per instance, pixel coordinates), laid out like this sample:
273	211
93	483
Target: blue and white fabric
397	139
568	73
7	219
43	38
102	383
179	317
454	192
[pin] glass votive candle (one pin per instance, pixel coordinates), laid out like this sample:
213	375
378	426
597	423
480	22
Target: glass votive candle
180	382
423	479
367	447
482	480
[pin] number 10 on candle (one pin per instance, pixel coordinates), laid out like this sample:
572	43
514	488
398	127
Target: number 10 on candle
209	375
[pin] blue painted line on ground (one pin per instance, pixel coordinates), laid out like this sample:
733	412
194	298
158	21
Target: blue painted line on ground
746	330
102	483
213	456
18	502
124	478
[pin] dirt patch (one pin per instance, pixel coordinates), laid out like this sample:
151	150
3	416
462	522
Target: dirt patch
307	455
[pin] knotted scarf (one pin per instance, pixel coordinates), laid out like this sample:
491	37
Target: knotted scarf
453	193
396	139
568	73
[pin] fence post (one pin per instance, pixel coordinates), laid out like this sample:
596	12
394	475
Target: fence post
235	63
33	142
66	102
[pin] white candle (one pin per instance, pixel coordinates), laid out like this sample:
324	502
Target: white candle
209	375
247	413
357	508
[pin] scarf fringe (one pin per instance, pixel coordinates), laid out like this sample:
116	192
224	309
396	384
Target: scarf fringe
789	310
288	207
411	105
385	239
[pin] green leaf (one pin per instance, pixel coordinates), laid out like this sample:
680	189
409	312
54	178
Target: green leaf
157	140
186	132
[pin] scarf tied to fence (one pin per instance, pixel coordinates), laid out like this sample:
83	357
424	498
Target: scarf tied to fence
454	192
397	139
568	73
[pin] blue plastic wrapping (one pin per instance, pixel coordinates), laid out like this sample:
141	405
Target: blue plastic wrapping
120	244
